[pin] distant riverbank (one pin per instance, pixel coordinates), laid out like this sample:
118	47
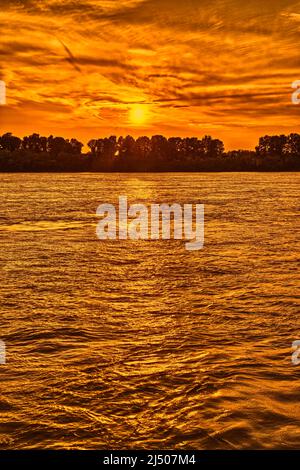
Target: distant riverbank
36	153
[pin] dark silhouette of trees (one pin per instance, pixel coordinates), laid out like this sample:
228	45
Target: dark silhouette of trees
271	145
102	153
35	143
159	150
39	153
292	145
125	153
9	142
279	151
143	148
58	145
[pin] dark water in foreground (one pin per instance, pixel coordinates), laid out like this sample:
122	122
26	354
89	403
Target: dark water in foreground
142	344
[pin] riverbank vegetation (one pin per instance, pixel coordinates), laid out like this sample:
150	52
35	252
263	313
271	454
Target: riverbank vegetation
37	153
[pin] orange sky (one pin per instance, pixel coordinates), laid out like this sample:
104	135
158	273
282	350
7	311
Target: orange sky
90	68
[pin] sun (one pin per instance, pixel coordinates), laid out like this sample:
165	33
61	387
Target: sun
138	114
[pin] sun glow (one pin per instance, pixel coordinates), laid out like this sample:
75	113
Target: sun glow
138	114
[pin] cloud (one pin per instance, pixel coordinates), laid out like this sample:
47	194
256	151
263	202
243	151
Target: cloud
222	65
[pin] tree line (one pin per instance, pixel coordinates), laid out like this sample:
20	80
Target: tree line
158	153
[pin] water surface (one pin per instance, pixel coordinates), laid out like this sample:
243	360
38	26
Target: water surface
142	344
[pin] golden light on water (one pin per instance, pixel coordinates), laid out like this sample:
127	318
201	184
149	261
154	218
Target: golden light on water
139	343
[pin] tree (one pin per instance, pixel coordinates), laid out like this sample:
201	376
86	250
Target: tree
9	142
210	147
75	146
292	145
35	143
271	145
143	148
159	149
56	145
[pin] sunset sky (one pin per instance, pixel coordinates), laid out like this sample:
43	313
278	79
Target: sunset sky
91	68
